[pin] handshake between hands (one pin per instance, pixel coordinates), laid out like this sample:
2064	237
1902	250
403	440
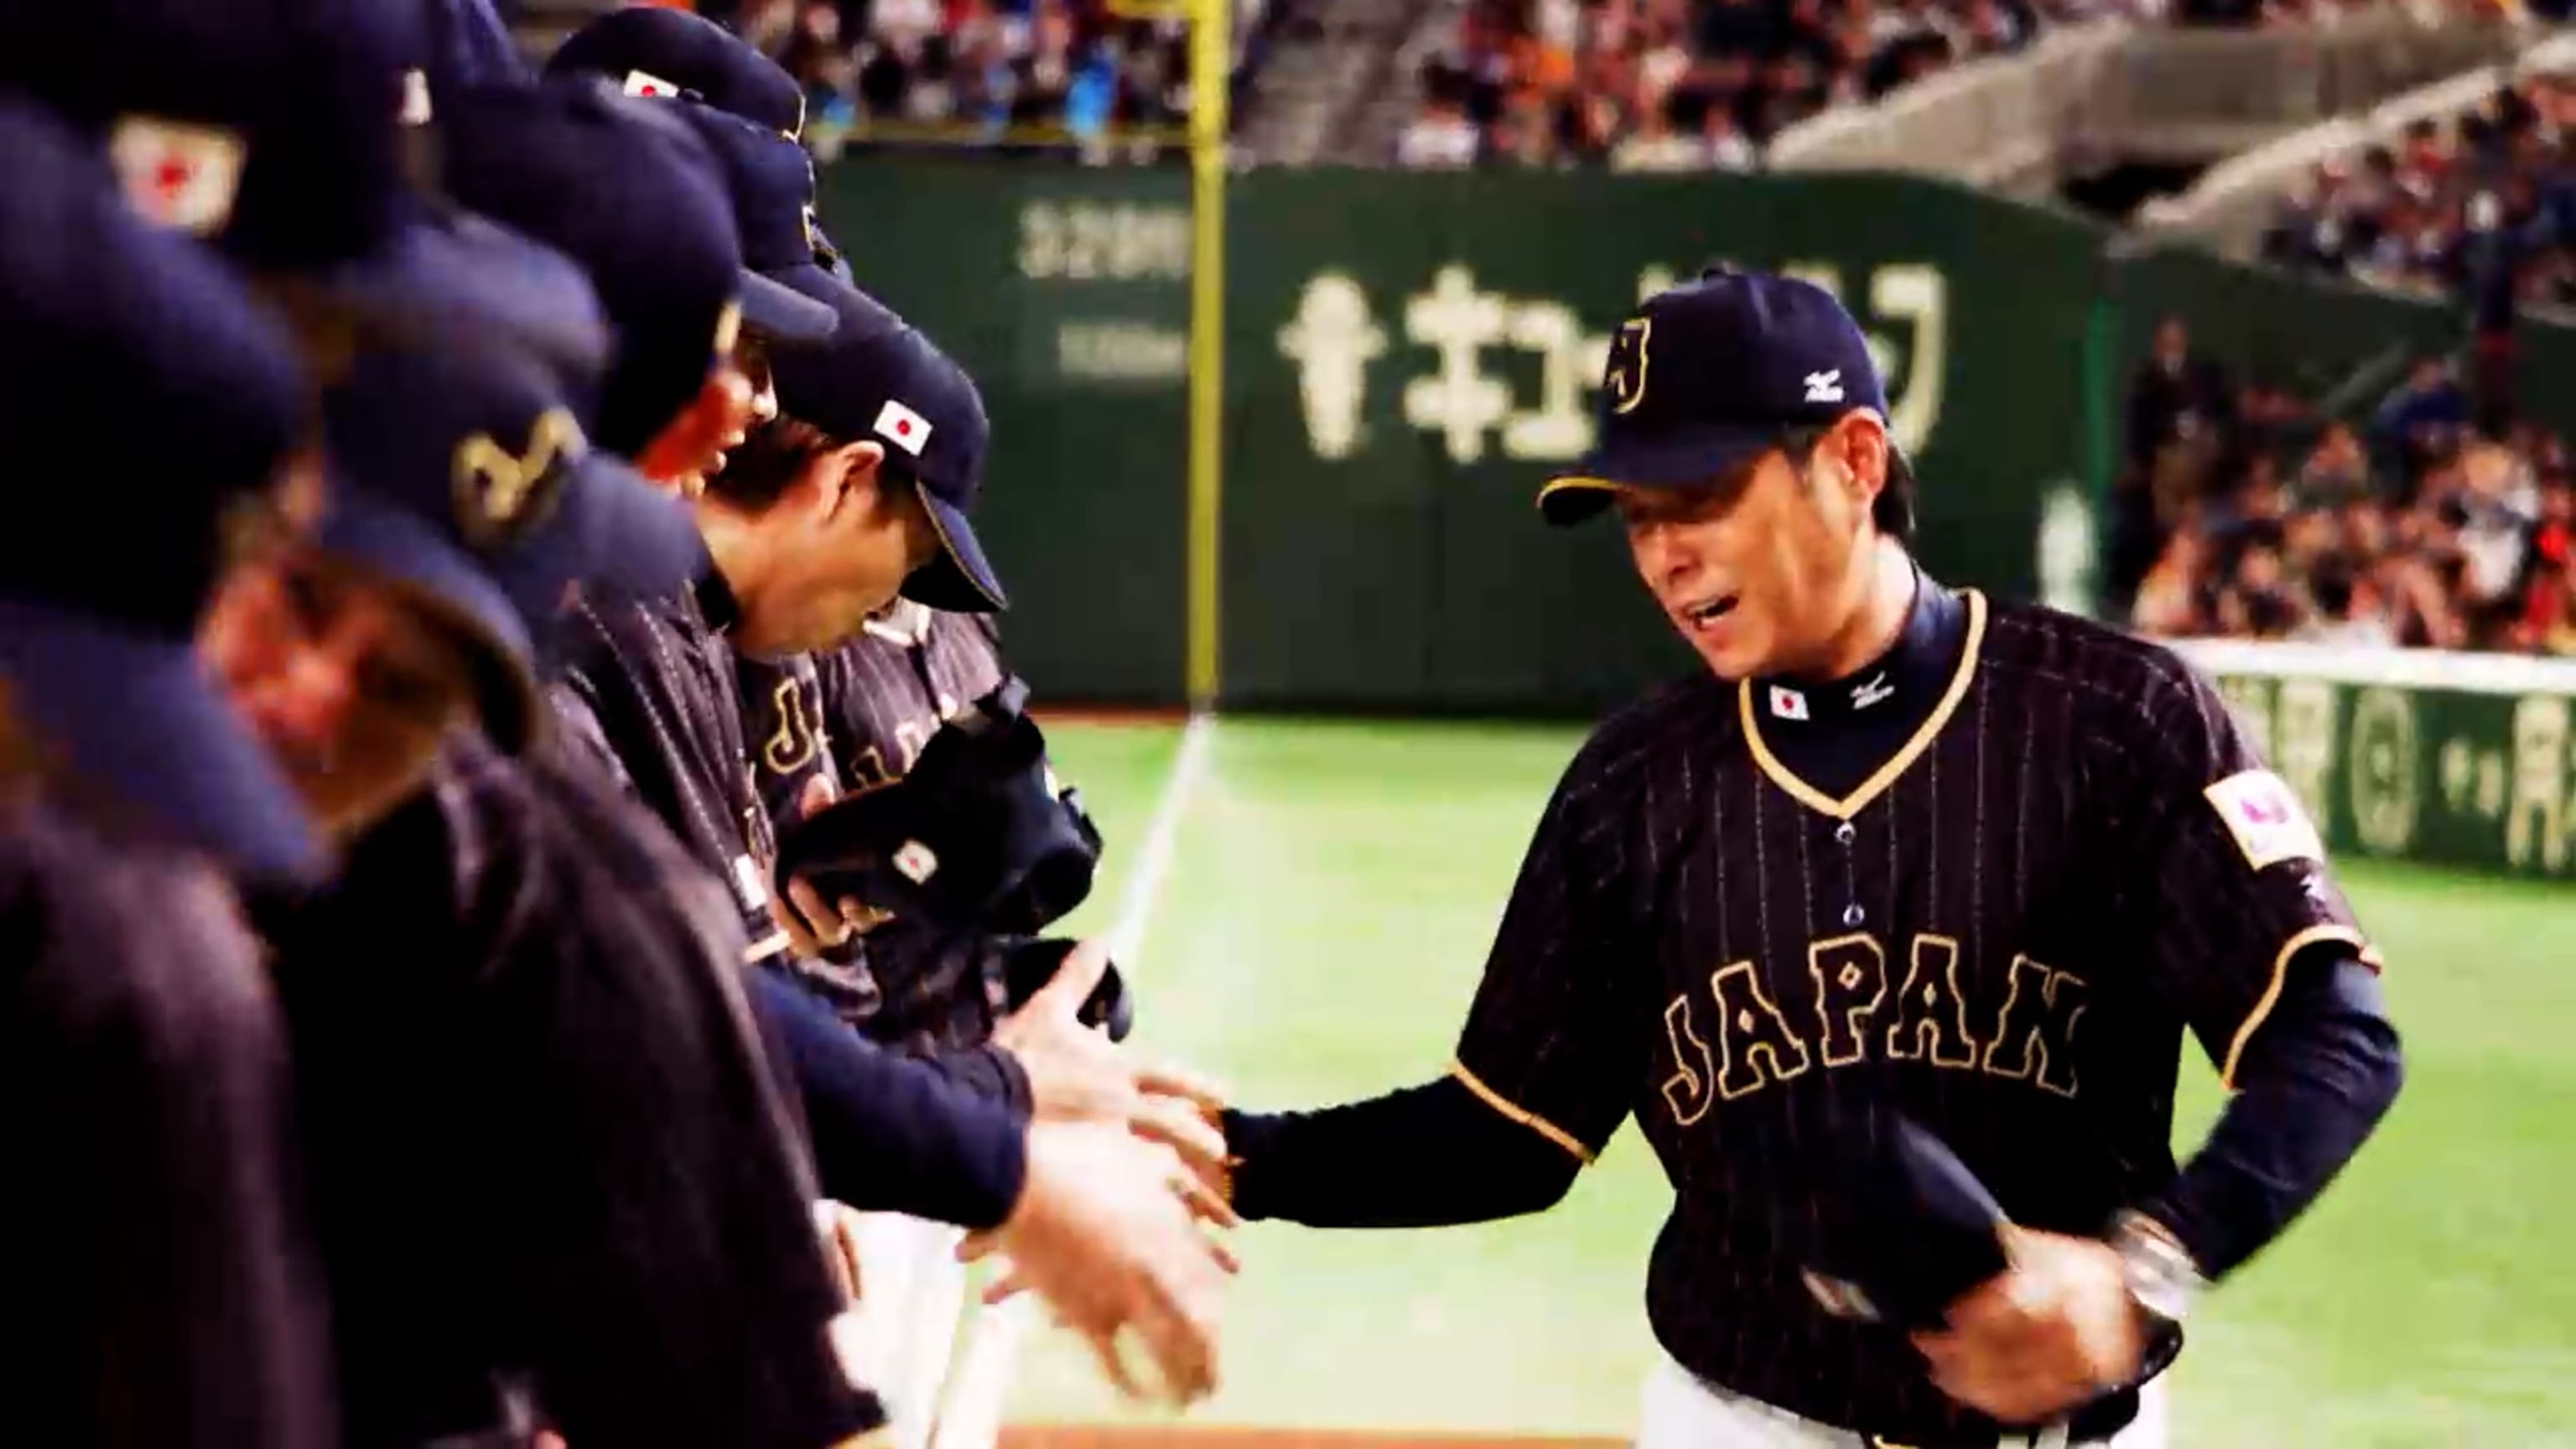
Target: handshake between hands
1113	1223
1116	1223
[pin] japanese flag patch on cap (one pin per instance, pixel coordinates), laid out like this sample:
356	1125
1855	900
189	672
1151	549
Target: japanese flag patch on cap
645	83
903	427
176	175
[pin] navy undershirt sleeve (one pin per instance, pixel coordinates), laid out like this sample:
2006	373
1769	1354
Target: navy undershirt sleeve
1423	1157
891	1134
2312	1084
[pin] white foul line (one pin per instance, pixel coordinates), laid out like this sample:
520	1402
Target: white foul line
971	1412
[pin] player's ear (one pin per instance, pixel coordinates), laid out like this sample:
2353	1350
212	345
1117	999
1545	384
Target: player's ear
852	470
1860	446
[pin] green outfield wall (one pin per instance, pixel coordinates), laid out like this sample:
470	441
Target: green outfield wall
1407	357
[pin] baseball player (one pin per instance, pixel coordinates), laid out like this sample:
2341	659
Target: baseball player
925	994
163	1286
1897	854
643	1266
648	691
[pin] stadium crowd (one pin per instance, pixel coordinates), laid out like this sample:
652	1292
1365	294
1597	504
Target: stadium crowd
1690	85
2242	512
2481	204
1638	85
980	70
1670	85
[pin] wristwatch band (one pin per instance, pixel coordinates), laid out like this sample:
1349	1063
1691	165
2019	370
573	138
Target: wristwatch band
2162	1277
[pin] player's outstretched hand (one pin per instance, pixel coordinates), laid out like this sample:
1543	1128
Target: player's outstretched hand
1076	1074
1106	1232
2052	1331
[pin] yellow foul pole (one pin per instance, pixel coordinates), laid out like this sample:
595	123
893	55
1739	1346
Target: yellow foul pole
1211	50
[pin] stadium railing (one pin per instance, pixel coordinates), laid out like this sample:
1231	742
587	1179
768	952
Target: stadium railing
2017	123
2228	208
2417	755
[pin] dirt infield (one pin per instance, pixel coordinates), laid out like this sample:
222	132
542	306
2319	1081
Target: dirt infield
1195	1436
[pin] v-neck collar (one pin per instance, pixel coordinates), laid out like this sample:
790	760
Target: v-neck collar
1870	789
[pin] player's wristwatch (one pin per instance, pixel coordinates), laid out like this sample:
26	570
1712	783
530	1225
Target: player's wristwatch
2163	1280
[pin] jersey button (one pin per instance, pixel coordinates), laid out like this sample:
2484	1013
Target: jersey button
1845	833
1853	915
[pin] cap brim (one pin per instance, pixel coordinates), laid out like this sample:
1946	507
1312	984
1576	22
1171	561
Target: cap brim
851	834
455	592
959	580
142	725
1694	460
782	314
467	275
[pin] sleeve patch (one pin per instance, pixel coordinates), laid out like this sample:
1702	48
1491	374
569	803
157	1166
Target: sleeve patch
2264	815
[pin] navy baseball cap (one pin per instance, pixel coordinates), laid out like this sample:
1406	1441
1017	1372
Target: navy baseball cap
271	129
881	380
979	836
155	402
1711	374
464	472
653	50
772	181
629	192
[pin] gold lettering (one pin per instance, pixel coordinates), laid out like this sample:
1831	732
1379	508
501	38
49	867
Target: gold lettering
1931	1012
1686	1090
1754	1039
2035	1033
1850	974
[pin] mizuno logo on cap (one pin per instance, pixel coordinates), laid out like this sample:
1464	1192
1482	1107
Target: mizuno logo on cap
1826	386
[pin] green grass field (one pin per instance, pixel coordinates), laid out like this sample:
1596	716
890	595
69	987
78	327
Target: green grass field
1322	925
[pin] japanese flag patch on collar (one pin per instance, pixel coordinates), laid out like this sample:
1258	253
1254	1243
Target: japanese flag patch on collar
1788	703
2264	814
903	427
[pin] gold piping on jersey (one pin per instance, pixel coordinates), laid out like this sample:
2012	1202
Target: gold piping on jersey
1876	785
1531	1120
766	946
2280	975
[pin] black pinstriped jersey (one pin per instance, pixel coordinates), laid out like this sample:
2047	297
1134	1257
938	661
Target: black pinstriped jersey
647	694
859	715
165	1287
863	710
2003	933
546	1142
